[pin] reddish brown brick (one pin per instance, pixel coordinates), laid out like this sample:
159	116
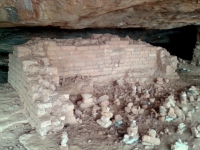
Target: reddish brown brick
82	48
63	48
53	48
93	47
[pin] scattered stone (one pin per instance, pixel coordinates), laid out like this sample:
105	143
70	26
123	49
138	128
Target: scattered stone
64	139
191	98
151	138
117	102
86	105
195	132
134	110
163	111
169	102
86	96
105	118
179	113
118	118
152	100
171	113
132	134
144	106
127	109
181	128
169	119
104	103
78	113
159	80
179	145
198	128
102	98
192	91
183	97
87	101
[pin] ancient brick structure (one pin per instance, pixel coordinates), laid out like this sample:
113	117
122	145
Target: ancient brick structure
35	69
107	57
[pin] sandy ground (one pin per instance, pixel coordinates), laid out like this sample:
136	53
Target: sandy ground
17	134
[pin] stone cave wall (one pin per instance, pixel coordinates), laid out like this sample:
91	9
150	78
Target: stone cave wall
36	67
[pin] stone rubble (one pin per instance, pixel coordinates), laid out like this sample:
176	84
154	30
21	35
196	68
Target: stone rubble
195	132
87	101
104	121
179	145
64	141
132	135
181	128
151	138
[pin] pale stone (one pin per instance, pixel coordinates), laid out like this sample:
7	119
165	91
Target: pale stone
130	105
64	139
152	133
181	128
89	100
191	98
169	102
104	103
195	132
134	111
86	96
179	145
127	109
179	112
163	111
86	105
171	113
141	111
105	119
107	114
162	119
104	97
118	118
104	124
151	140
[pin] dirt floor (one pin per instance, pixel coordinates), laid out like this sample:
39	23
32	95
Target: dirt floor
17	134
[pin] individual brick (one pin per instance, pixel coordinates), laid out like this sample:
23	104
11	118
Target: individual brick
82	48
21	51
64	48
53	48
115	39
44	121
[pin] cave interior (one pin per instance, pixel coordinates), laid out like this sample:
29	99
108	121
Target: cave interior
178	41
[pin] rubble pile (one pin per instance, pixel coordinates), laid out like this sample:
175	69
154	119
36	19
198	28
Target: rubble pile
87	101
105	118
132	134
151	138
179	145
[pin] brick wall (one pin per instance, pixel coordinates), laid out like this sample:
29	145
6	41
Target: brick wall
35	81
108	57
35	69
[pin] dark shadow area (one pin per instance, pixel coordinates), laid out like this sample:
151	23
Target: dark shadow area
178	41
181	42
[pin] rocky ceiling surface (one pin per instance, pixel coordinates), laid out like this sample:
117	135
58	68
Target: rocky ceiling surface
78	14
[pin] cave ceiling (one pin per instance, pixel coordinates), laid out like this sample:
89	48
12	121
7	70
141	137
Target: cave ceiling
79	14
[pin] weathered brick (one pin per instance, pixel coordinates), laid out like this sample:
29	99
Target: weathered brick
75	52
53	48
115	39
63	48
82	48
93	47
